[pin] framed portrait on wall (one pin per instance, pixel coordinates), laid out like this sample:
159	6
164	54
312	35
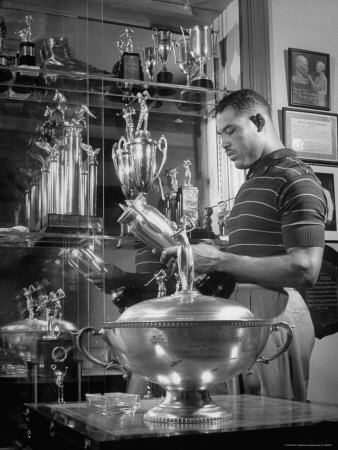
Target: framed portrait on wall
313	135
328	176
309	79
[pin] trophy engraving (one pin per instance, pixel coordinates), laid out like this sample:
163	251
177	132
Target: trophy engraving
201	50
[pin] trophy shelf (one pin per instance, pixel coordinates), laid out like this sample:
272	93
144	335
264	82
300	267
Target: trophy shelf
107	91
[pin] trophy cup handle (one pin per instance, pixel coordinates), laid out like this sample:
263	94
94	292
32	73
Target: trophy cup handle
164	151
275	327
79	335
122	144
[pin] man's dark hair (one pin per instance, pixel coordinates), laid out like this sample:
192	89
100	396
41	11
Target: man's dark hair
244	101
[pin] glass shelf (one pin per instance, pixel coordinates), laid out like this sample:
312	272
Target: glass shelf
106	91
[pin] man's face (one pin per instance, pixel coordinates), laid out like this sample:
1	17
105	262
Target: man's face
240	139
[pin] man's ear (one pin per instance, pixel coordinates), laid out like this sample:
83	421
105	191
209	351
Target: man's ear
259	121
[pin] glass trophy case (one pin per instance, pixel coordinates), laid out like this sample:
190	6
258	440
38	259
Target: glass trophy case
99	103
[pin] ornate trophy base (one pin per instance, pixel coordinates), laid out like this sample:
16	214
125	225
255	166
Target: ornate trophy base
205	83
165	77
187	407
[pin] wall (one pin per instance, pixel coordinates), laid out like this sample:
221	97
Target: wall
307	25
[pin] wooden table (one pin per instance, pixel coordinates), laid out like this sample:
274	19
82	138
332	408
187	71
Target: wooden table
265	422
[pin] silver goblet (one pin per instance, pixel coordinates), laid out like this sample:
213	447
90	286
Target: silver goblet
201	51
184	59
164	45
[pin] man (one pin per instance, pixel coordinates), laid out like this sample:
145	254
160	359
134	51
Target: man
276	241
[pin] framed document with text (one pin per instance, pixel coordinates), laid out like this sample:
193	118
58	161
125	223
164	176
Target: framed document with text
313	135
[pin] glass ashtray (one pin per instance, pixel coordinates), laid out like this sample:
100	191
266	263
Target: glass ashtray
113	403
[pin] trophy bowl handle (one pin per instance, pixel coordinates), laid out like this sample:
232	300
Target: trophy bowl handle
164	151
122	144
79	335
275	327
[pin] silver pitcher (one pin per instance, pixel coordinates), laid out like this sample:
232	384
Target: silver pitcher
148	224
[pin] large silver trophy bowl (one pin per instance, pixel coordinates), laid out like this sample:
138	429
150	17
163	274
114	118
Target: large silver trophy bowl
186	342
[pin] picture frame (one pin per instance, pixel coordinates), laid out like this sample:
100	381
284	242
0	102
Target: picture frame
328	176
312	135
309	79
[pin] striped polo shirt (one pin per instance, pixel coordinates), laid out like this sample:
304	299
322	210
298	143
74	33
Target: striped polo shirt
280	205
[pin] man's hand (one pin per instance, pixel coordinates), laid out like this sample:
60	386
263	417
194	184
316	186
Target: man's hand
206	257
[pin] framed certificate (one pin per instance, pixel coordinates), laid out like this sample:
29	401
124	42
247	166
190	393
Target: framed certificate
313	135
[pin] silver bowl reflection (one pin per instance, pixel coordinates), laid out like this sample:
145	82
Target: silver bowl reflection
186	342
18	339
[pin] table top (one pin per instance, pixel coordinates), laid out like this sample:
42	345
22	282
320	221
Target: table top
248	413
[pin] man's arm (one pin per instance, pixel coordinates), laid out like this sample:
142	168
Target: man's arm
299	268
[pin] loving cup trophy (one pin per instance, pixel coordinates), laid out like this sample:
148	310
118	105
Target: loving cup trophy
186	342
134	157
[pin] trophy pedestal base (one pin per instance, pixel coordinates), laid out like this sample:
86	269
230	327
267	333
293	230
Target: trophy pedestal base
165	77
70	223
205	83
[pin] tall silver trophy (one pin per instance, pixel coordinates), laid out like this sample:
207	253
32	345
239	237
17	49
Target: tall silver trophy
184	58
201	49
134	157
164	44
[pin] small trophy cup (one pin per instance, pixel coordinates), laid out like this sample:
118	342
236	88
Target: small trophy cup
184	59
150	61
130	64
27	46
164	45
201	51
